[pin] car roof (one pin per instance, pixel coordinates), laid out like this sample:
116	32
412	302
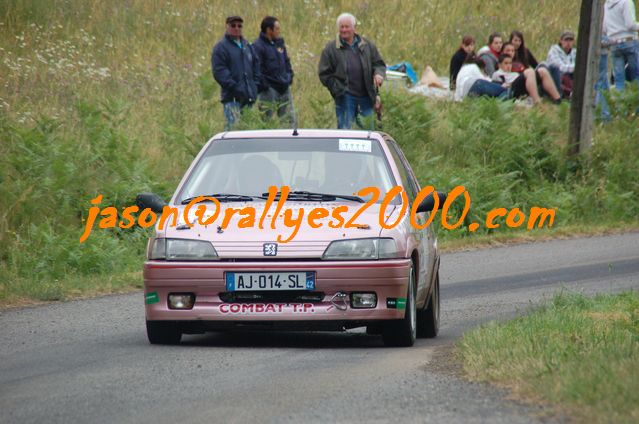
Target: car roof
305	133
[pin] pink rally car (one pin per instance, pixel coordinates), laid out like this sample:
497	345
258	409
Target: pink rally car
204	274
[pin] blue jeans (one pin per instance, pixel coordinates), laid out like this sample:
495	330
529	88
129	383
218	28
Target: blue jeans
555	73
271	101
348	108
624	54
602	85
486	88
232	113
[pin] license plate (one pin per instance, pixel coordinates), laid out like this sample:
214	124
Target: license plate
272	281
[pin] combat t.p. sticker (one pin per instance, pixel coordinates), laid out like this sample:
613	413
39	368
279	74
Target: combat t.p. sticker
354	145
396	302
152	297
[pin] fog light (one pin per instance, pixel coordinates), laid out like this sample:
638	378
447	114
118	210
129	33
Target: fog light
363	300
181	300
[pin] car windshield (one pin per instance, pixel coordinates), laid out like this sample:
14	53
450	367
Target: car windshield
248	167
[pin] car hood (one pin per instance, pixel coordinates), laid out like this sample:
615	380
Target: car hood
307	242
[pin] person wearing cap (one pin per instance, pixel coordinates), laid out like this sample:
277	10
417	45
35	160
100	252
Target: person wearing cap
276	70
561	61
237	69
352	70
620	26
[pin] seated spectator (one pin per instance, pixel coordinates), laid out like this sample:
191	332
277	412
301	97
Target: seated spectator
490	53
457	61
561	59
523	57
472	81
520	84
542	74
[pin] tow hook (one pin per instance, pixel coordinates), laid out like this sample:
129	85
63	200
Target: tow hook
340	301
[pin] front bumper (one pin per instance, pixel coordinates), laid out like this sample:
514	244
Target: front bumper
388	279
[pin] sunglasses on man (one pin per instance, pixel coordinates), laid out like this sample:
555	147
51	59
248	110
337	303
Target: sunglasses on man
236	25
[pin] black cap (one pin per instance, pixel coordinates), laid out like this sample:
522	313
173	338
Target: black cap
234	19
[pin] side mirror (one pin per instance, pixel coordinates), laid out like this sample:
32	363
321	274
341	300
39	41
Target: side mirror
428	203
151	201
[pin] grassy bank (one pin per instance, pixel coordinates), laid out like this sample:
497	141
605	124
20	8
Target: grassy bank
577	353
116	98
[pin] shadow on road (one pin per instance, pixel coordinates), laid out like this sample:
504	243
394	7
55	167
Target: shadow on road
279	339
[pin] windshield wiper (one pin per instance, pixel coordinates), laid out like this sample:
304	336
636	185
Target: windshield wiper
317	197
224	197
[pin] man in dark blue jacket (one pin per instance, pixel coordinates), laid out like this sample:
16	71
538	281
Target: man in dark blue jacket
237	69
275	67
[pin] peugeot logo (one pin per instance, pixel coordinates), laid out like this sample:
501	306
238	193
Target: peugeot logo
270	249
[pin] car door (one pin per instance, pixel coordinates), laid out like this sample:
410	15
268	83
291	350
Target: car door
425	237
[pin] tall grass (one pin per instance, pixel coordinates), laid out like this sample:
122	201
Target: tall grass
117	97
579	353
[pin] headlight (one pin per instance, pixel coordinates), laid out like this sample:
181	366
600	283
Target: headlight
372	248
182	250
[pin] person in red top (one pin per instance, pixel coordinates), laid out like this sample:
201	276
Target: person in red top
490	54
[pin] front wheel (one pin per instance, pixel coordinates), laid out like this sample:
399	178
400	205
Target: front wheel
403	332
163	332
428	318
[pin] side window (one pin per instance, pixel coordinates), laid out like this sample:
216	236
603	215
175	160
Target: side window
404	172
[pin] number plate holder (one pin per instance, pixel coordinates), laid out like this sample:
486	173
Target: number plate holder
270	281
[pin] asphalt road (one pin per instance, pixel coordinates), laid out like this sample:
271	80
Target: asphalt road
89	361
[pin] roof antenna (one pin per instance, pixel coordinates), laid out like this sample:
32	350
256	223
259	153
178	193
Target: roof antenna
294	112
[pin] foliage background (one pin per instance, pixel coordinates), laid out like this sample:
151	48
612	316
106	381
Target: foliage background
116	98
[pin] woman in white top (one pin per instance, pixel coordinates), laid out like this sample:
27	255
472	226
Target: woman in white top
471	81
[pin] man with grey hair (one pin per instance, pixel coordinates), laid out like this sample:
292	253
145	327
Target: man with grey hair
352	69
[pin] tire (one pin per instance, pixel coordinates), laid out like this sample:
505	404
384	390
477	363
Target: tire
163	332
428	318
403	332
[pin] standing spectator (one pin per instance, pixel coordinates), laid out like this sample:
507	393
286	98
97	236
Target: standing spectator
490	54
236	69
276	71
561	60
467	47
602	85
620	26
352	70
523	57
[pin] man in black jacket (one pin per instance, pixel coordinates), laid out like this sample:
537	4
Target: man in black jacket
352	69
237	69
275	67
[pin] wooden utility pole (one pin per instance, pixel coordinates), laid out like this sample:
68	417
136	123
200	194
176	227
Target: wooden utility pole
586	72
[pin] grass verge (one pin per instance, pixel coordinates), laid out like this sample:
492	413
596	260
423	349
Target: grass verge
27	292
577	353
